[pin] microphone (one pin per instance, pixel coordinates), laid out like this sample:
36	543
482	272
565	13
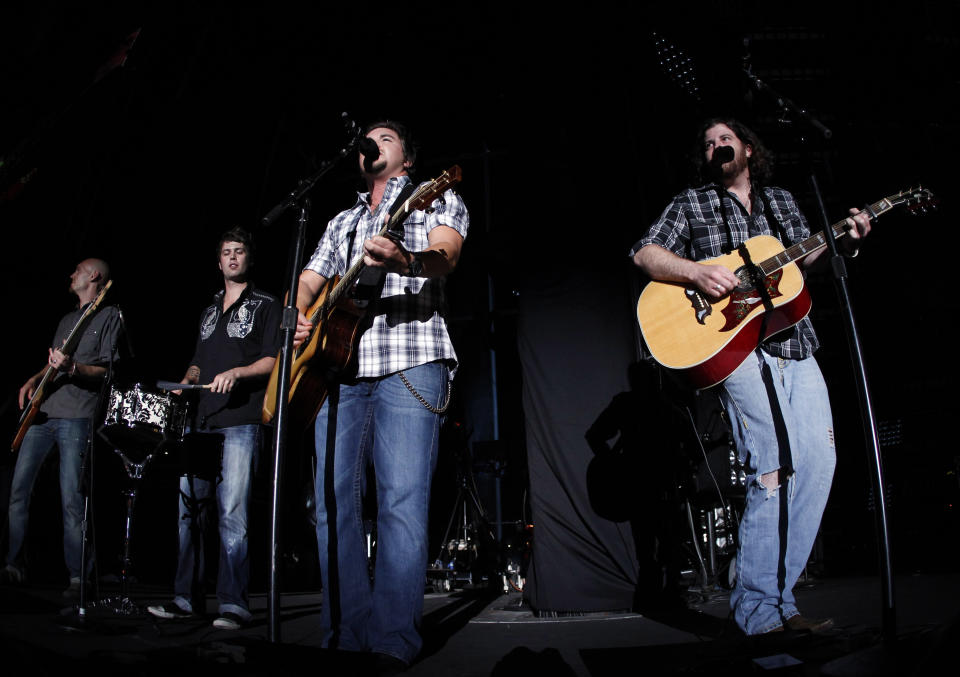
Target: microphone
722	155
126	332
370	151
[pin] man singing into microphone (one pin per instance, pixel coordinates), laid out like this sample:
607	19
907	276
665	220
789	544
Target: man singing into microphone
383	412
776	401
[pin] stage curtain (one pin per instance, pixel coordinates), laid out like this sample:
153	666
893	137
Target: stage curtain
576	342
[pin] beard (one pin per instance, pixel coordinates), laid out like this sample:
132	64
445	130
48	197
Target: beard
728	171
736	166
375	167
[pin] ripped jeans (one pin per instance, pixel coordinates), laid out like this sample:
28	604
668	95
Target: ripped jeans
772	555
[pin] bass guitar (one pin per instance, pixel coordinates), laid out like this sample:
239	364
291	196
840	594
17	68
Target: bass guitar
69	345
338	323
705	340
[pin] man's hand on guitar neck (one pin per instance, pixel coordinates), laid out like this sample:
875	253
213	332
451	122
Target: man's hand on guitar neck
62	362
860	227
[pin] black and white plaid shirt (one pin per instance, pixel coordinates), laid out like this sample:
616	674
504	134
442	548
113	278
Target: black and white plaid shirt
408	326
692	227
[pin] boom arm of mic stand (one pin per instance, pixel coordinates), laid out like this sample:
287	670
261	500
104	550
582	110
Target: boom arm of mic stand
787	104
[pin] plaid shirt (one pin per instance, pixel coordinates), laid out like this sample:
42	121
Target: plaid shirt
692	227
408	326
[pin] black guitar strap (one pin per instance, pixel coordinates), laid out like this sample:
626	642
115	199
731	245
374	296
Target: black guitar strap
370	281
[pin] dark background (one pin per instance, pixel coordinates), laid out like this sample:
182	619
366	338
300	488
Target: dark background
572	135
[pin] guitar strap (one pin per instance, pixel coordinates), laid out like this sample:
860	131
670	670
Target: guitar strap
370	281
756	278
731	244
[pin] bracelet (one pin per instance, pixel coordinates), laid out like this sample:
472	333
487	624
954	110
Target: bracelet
73	370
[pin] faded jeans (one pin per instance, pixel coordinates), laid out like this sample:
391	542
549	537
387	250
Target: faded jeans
241	445
376	421
69	435
773	552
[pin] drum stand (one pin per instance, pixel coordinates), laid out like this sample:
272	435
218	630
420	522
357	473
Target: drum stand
121	603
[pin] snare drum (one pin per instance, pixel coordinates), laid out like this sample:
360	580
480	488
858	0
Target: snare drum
140	419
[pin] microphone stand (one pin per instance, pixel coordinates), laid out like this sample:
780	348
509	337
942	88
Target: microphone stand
838	266
296	200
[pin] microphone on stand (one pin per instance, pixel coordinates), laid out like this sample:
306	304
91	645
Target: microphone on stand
721	155
126	333
370	151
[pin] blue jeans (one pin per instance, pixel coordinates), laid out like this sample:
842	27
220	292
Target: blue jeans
69	435
241	445
376	421
773	551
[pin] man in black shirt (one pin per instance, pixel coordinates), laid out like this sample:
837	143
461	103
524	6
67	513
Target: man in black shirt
238	342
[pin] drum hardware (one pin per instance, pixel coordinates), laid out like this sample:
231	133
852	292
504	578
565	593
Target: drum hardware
459	559
138	424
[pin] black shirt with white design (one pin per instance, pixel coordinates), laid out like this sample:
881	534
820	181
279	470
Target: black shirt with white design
246	332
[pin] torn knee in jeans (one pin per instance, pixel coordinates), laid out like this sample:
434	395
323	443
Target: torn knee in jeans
770	481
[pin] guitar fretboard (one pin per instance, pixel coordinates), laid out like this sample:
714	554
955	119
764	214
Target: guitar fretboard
817	241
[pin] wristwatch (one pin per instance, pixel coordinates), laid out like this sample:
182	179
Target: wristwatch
415	269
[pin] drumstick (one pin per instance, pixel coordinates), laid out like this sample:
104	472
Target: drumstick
172	385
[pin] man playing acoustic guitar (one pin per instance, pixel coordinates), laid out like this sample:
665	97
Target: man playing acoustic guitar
384	408
776	400
64	419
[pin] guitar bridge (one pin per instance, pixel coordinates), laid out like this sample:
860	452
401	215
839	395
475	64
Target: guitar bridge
701	307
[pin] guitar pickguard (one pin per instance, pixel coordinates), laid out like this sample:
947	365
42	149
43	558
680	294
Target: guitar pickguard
742	303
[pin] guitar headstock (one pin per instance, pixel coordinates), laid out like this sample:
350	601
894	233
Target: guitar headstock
424	196
917	200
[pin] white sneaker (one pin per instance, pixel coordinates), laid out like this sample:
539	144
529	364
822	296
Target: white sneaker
169	610
229	621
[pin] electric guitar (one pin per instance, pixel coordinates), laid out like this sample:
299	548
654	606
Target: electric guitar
705	340
338	323
69	345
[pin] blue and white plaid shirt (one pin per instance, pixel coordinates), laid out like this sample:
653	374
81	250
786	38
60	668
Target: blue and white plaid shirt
692	227
408	326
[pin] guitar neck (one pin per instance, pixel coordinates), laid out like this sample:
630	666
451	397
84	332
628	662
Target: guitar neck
817	241
353	272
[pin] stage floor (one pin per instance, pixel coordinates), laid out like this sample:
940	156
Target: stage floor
482	632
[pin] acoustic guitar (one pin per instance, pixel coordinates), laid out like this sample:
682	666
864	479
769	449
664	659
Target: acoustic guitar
704	340
69	345
338	323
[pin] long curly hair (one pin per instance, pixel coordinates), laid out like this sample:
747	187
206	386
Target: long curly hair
760	161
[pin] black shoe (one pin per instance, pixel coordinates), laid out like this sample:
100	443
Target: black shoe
229	621
385	664
169	610
812	625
